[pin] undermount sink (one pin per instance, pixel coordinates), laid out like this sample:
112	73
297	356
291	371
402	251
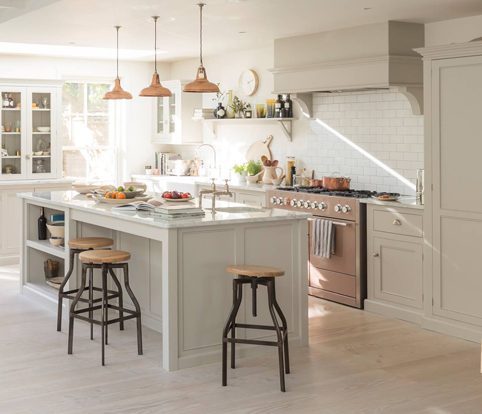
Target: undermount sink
238	210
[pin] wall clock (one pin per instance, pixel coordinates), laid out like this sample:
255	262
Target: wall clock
248	82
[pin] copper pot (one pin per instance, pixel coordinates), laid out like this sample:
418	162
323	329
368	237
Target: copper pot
336	183
315	182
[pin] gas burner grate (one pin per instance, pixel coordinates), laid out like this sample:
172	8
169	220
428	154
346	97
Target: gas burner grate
324	191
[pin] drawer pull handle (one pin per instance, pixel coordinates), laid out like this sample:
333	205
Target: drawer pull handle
376	254
397	222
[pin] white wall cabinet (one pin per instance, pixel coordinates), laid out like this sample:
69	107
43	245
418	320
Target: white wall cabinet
173	116
453	207
395	262
29	129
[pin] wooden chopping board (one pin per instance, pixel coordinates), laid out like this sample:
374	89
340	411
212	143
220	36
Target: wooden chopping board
258	149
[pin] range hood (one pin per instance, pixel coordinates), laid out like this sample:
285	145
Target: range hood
375	56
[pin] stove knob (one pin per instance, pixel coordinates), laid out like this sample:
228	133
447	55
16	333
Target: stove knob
300	203
307	204
338	208
273	200
322	206
279	201
314	205
346	209
293	202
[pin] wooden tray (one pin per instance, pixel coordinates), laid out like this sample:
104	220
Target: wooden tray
115	201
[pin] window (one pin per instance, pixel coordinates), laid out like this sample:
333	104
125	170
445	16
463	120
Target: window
88	138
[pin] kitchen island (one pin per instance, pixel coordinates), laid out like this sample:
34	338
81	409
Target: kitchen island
178	266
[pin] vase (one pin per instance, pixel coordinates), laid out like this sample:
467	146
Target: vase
220	111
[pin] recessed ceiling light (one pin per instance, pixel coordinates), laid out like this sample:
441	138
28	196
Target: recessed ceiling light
242	32
367	8
172	19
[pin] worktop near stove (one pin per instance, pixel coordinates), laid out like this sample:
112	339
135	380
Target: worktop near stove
178	266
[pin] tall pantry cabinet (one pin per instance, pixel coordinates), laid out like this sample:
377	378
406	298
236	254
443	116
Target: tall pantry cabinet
453	206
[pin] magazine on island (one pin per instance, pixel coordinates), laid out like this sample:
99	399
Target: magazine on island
164	210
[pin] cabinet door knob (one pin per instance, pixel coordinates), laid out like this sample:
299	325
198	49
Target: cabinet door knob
397	222
376	254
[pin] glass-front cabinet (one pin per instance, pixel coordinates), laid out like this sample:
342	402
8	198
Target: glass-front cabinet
173	115
28	128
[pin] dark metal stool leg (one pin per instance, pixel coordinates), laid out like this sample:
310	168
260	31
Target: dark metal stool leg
103	315
105	268
72	309
121	300
271	300
91	298
237	298
285	330
136	305
61	289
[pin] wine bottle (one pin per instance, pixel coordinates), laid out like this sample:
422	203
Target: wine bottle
278	107
42	226
288	107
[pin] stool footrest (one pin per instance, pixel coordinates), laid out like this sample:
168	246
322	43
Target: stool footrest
263	327
113	295
109	322
250	341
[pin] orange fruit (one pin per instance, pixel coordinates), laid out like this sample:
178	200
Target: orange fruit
120	195
108	195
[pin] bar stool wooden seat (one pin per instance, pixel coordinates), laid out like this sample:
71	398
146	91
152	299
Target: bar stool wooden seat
256	275
76	247
106	260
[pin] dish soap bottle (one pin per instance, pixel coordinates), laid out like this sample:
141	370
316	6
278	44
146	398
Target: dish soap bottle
42	226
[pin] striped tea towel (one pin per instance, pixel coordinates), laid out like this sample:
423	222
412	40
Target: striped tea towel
323	238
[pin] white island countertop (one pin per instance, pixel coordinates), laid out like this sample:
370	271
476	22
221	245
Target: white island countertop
76	201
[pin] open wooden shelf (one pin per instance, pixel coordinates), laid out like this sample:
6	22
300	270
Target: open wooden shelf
285	123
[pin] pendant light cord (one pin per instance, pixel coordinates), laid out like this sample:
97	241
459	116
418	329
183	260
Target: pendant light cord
117	47
201	5
155	42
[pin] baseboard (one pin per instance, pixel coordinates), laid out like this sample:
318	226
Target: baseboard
393	311
459	329
9	260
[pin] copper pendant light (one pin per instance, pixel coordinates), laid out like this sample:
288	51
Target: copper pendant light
117	92
201	83
155	89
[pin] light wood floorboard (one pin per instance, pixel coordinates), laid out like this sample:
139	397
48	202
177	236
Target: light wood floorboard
356	363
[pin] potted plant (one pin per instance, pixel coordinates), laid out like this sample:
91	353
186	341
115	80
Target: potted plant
238	107
239	176
253	169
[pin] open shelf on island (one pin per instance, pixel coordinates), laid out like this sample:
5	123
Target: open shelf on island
40	109
46	247
285	123
11	133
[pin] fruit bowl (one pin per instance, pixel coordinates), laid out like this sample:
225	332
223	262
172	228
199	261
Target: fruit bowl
176	196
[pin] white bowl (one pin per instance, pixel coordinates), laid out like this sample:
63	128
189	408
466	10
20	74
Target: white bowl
43	129
58	241
56	230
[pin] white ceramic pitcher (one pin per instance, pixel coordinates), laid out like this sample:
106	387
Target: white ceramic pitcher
270	174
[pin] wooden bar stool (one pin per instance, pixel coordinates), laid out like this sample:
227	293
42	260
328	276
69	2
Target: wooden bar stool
76	247
256	275
107	260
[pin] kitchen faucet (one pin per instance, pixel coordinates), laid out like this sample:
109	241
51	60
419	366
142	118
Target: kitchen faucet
214	194
214	154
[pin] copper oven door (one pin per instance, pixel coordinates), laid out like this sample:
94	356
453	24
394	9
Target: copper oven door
344	258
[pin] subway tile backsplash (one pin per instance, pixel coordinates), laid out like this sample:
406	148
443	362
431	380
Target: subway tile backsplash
373	137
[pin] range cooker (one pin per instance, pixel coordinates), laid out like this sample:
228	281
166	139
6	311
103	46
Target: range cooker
342	277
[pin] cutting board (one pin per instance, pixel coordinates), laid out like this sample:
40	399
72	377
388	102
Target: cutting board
258	149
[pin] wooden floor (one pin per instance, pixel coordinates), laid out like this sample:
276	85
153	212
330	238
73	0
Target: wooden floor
356	363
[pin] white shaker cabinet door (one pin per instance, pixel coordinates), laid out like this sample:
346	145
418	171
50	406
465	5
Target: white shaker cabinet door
456	139
398	271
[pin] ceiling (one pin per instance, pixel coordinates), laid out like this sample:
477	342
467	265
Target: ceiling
85	27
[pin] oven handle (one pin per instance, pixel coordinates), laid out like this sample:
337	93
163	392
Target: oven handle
335	223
